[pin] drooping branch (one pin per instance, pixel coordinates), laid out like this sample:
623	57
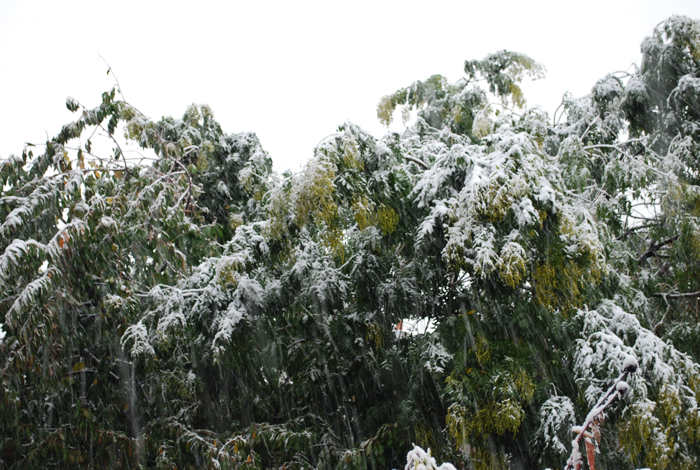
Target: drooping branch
416	161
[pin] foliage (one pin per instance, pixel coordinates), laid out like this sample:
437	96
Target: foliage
189	308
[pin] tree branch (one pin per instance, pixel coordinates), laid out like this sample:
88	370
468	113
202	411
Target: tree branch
640	227
676	296
616	391
416	161
654	247
661	322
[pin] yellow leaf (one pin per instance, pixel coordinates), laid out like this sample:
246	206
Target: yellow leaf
78	366
126	406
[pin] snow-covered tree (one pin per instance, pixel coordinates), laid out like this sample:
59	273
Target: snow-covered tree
193	309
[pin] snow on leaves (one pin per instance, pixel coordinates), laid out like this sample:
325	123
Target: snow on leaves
611	336
509	191
557	416
28	207
419	459
137	335
664	392
266	312
323	283
33	293
14	255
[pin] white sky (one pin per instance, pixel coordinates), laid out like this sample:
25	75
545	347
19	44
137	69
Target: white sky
292	71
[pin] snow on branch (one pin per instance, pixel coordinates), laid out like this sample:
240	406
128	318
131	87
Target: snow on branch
418	459
14	256
616	391
138	334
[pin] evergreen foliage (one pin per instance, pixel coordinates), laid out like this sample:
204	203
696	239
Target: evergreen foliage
197	310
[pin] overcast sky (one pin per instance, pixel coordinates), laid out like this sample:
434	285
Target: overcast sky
292	71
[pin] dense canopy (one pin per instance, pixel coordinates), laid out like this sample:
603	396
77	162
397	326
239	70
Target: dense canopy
193	309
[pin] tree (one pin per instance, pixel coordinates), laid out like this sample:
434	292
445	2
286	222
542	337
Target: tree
199	310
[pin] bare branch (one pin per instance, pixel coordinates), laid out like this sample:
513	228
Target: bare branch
686	295
652	252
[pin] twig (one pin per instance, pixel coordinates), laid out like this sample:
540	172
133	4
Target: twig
662	319
589	127
119	147
189	182
109	70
